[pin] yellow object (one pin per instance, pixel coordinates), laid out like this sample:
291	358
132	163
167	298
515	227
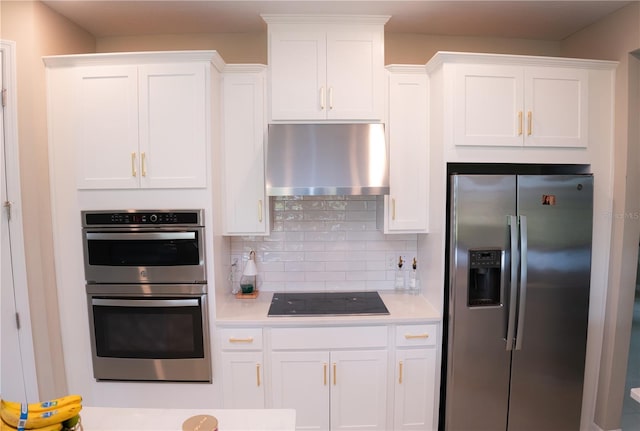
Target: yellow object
40	419
45	405
54	427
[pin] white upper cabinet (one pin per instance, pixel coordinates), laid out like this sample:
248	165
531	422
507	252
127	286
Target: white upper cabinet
173	118
106	127
406	209
140	125
326	68
245	206
510	105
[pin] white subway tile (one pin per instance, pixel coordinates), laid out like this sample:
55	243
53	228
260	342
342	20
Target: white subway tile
325	276
304	266
320	243
350	266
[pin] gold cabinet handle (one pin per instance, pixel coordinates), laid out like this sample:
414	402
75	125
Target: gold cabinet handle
393	209
529	123
400	366
330	98
322	98
324	374
258	374
241	340
133	165
260	210
520	123
335	374
144	164
414	336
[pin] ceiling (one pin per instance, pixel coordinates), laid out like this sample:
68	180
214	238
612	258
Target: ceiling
542	20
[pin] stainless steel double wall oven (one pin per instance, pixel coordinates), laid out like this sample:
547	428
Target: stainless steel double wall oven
147	295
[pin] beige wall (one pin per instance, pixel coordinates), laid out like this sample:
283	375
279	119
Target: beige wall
233	47
403	48
400	48
614	38
38	31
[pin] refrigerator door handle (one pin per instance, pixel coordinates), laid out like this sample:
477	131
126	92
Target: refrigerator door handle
523	281
513	285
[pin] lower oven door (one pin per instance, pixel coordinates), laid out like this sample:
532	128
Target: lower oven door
148	338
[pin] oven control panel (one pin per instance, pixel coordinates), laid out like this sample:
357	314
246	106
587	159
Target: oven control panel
128	218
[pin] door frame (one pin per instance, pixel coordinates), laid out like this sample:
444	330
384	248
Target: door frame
18	260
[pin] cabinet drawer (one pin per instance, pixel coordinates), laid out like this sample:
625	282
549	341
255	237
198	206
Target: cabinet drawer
416	335
241	338
329	338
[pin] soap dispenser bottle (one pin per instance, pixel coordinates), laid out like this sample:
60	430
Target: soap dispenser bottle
414	286
399	278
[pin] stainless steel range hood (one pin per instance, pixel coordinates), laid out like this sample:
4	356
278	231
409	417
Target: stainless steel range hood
327	159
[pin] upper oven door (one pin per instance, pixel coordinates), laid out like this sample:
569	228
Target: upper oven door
141	255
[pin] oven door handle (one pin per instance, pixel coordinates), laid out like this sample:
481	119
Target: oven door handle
145	302
135	236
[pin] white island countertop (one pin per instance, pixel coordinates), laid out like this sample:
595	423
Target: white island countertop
403	308
134	419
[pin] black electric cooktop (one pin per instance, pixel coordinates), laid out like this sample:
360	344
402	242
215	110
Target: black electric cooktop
326	303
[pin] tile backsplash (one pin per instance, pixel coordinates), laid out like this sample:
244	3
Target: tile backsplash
324	243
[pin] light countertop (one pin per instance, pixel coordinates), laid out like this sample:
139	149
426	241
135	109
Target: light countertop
134	419
403	308
635	394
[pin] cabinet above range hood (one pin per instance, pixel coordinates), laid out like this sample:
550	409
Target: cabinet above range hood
327	159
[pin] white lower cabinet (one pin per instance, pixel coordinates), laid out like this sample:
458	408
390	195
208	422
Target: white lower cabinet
415	378
242	368
335	377
336	390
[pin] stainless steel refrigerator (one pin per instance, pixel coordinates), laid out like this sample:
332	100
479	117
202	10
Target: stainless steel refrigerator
518	299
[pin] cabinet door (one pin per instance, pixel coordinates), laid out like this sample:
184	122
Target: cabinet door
300	381
355	75
488	105
359	390
556	107
415	389
243	385
245	210
173	147
106	131
408	154
297	61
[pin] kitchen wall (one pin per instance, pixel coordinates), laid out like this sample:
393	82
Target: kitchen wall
320	243
38	31
615	38
400	48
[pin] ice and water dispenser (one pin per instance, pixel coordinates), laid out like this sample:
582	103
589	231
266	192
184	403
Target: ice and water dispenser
484	277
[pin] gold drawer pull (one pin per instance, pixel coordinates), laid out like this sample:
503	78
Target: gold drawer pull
335	374
414	336
324	374
393	209
520	123
241	340
133	165
400	373
144	164
530	123
258	374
